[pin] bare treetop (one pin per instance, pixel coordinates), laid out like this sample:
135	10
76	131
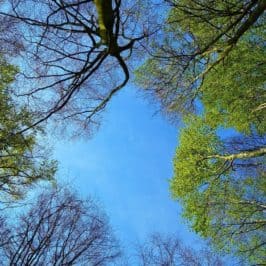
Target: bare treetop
59	229
163	250
68	70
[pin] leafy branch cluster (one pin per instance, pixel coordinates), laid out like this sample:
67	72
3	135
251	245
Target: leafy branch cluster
210	69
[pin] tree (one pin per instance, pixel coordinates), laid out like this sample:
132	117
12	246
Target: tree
160	250
23	161
210	62
58	229
211	52
75	54
221	185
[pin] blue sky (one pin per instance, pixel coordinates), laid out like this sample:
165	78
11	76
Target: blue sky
126	165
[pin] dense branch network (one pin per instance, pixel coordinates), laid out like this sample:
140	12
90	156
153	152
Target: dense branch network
68	69
58	229
165	250
199	37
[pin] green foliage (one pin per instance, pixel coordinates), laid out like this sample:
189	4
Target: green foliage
196	142
212	53
234	89
22	161
205	20
223	199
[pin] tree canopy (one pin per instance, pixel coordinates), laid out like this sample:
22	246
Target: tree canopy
59	228
210	62
22	160
208	46
160	250
205	63
70	69
221	185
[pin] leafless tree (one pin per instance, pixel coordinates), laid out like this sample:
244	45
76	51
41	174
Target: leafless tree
59	229
10	43
161	250
67	71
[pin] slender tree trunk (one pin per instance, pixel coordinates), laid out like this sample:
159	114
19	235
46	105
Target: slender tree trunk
253	17
241	155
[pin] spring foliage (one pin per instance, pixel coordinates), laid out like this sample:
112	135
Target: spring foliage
22	161
211	62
